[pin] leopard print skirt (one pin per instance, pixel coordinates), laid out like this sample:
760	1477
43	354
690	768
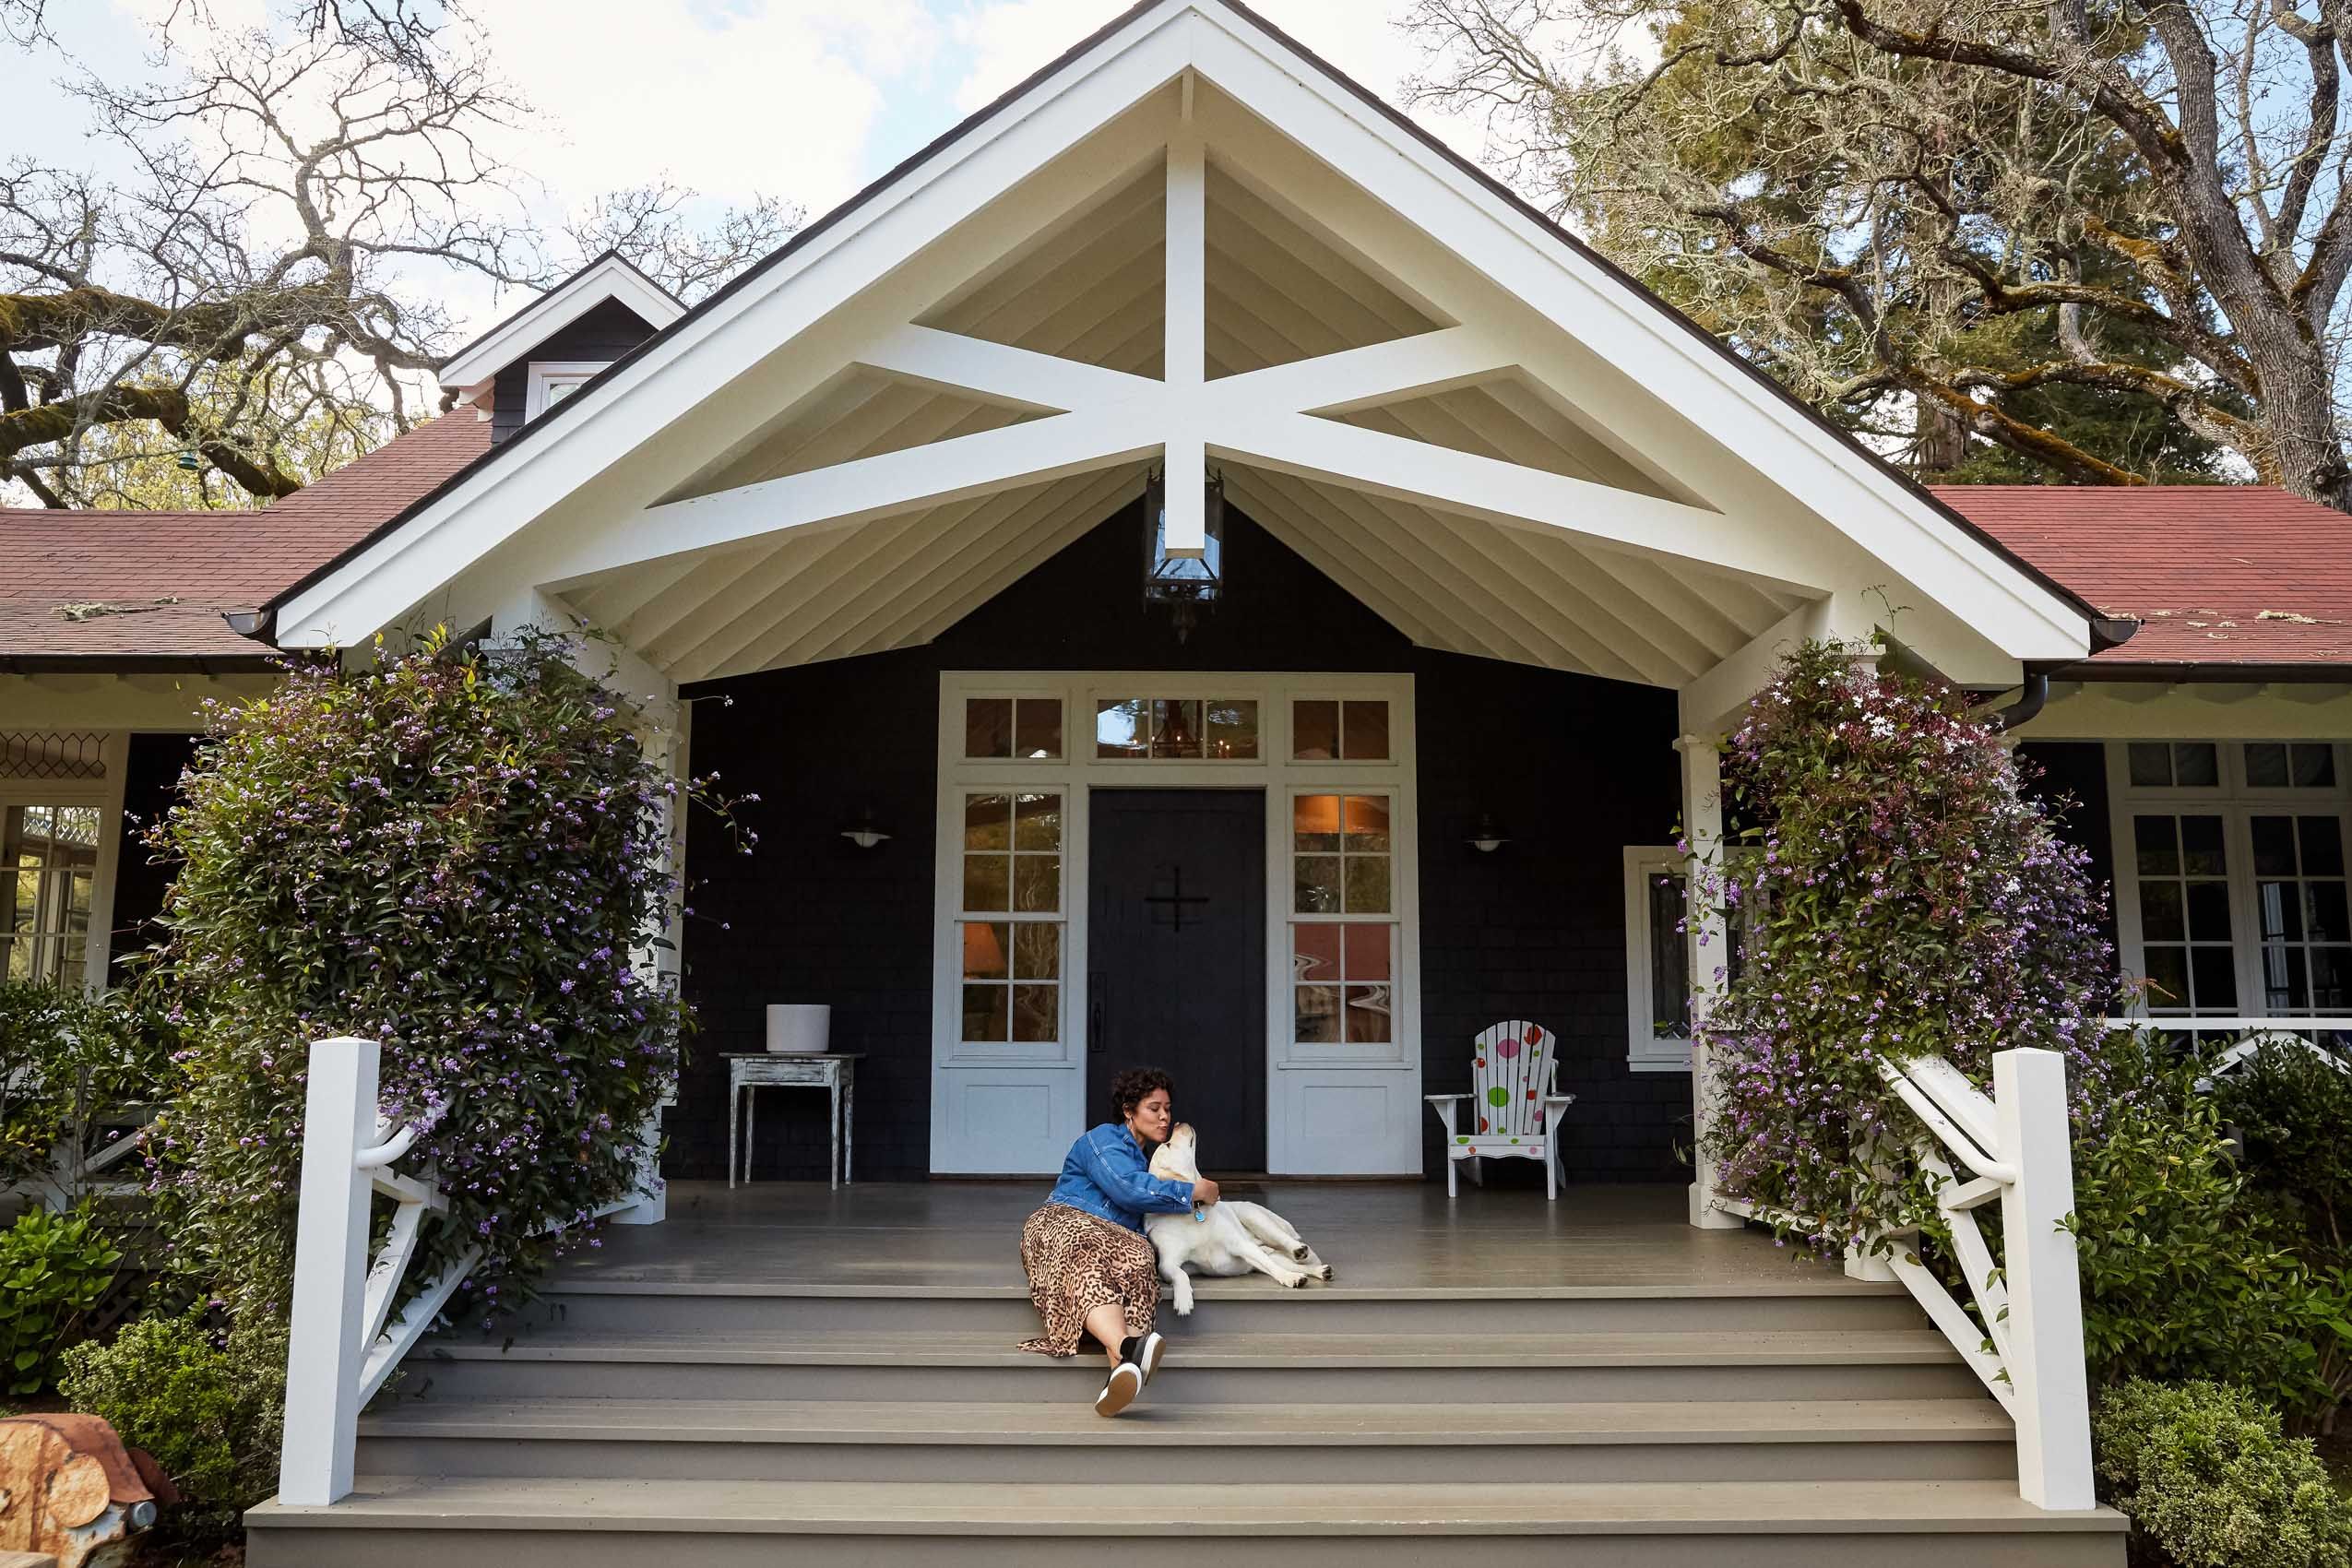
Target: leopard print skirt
1076	1263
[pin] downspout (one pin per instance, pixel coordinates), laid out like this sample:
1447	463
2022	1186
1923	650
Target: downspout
2105	633
2028	706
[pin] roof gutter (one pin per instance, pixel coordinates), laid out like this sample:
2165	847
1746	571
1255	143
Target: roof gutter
261	625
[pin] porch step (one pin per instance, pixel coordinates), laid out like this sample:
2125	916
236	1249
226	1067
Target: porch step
592	1522
1157	1445
1249	1306
1219	1367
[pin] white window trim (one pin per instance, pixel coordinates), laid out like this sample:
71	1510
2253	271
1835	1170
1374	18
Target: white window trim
2236	803
545	375
1272	773
106	793
1647	1050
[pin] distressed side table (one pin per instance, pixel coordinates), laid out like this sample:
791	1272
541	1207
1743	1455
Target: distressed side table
835	1071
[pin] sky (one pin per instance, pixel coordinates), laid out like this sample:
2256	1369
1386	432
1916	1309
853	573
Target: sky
804	99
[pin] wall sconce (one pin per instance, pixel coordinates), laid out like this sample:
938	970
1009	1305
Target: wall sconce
866	832
1487	834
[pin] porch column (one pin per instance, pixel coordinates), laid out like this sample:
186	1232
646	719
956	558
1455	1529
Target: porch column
1707	936
658	719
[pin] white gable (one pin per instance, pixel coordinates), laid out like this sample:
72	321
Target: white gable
1191	244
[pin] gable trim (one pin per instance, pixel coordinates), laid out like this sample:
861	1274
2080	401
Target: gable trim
608	277
1514	214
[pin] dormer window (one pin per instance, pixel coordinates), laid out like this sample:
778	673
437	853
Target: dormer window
552	381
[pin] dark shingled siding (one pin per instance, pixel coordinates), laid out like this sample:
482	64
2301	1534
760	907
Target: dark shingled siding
1576	767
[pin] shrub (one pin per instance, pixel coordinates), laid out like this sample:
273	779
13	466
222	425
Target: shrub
454	853
2293	1110
2203	1469
208	1408
1905	900
54	1269
2188	1270
68	1059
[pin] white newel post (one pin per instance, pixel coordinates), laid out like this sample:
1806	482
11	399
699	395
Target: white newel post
2045	1353
1707	943
324	1353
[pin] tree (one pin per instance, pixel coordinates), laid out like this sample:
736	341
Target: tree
2110	240
257	300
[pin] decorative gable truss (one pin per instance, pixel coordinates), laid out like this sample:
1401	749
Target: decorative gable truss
1189	243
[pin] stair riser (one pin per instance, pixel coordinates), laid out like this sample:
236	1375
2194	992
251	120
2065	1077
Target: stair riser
1144	1464
294	1547
523	1378
1309	1311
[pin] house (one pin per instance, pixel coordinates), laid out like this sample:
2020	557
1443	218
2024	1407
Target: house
1199	572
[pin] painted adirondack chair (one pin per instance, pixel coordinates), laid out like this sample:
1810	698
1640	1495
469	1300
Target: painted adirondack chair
1515	1104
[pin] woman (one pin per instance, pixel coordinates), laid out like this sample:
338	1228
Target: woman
1090	1268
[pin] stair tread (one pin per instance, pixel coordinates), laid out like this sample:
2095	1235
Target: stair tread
987	1348
668	1283
886	1421
1080	1509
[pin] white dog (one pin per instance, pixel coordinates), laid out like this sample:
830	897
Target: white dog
1228	1238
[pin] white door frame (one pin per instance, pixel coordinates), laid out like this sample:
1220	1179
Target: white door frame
1331	1108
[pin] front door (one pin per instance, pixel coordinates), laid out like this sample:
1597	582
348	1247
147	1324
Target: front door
1176	959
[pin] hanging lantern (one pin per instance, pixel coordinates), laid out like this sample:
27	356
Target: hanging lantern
189	461
1186	583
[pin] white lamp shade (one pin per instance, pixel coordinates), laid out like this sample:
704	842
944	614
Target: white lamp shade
800	1028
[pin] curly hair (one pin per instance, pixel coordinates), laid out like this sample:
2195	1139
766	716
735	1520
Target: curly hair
1130	1088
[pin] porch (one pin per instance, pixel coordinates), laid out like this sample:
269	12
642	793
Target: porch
1385	1239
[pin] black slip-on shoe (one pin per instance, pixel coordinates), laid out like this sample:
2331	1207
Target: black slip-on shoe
1145	1350
1120	1389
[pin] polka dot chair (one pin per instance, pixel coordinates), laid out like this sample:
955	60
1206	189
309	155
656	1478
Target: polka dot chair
1513	1107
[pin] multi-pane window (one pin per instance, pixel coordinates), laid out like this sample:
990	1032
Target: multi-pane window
2186	932
1011	920
2299	903
2231	877
1330	729
1658	955
1028	728
1343	932
48	873
1177	729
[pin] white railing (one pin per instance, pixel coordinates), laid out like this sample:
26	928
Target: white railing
2025	1341
340	1347
343	1343
2249	1037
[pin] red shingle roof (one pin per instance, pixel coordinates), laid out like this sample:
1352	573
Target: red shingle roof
2218	574
153	585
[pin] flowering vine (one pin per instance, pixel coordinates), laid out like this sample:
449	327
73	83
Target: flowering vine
459	853
1897	896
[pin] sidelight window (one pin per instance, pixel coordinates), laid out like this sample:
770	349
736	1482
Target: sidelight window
1011	920
1343	930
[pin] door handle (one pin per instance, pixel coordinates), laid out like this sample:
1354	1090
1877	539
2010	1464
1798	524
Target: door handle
1094	1014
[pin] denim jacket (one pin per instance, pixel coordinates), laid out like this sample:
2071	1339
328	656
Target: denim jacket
1106	1176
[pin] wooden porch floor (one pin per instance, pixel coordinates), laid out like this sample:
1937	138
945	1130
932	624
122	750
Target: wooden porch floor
1390	1239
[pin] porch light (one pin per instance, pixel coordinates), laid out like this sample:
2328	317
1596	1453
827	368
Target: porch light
866	832
1186	583
1487	834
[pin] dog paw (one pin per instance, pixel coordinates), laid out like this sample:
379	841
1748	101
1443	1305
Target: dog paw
1299	1255
1296	1282
1323	1274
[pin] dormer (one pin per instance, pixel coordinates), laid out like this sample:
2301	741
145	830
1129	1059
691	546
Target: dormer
554	346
